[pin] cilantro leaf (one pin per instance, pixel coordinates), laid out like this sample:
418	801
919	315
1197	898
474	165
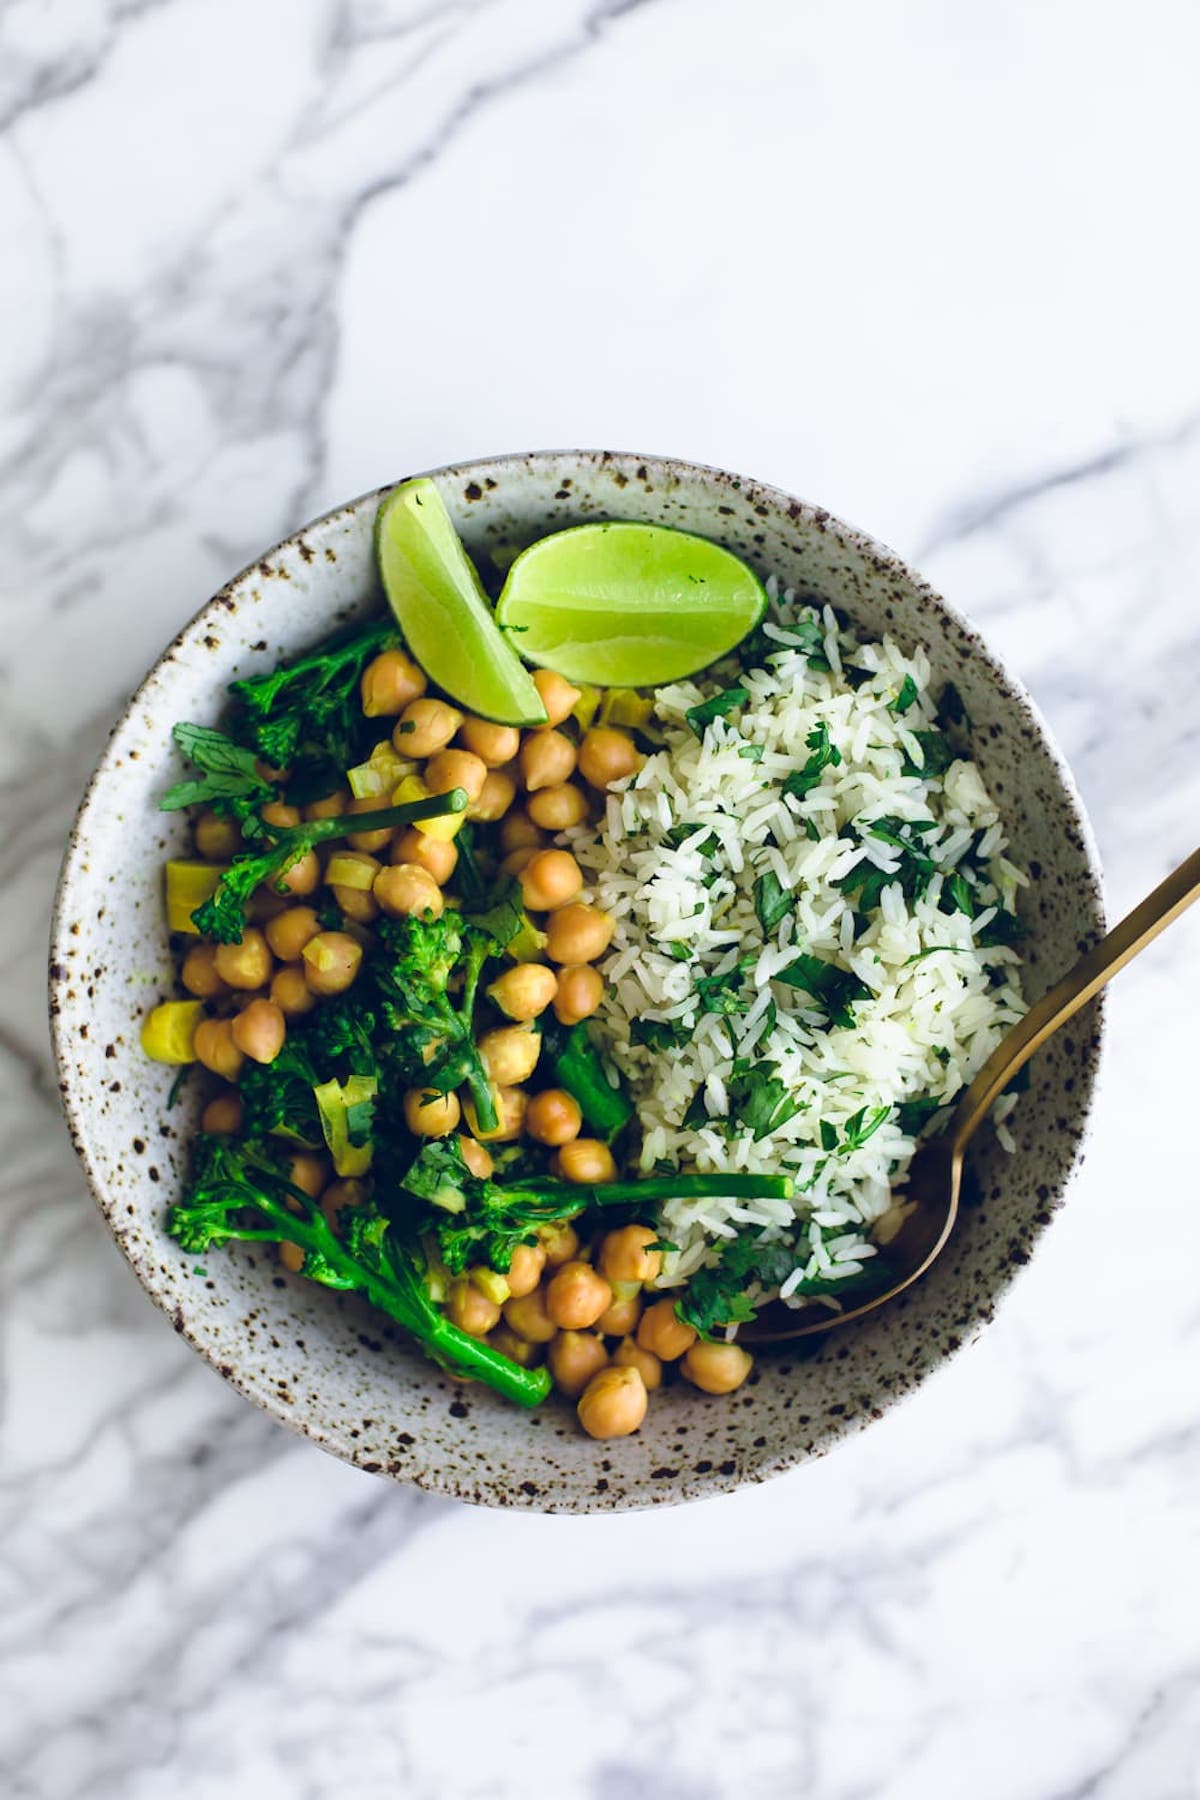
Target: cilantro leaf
228	772
824	755
912	1116
772	901
1005	928
835	990
909	691
938	753
716	1296
727	701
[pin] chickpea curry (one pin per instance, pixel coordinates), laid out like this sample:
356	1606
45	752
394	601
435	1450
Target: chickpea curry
389	965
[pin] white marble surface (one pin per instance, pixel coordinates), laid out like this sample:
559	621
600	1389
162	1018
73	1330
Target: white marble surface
933	266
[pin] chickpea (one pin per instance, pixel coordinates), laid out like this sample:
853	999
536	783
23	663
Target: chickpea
553	1117
355	904
246	965
224	1114
550	879
389	682
560	1241
625	1255
558	808
372	841
470	1309
216	839
517	860
580	991
199	973
547	759
330	806
663	1332
437	856
477	1157
510	1107
259	1031
337	1196
309	1173
304	876
716	1368
215	1048
573	1358
630	1355
354	896
425	727
495	796
456	769
622	1316
528	1317
406	889
291	993
524	991
525	1269
510	1054
576	1296
586	1160
578	933
518	832
517	1349
288	934
606	755
278	812
492	744
331	961
613	1403
557	694
266	904
431	1115
292	1257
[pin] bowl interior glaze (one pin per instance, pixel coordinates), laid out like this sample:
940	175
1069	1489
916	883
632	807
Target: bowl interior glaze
328	1366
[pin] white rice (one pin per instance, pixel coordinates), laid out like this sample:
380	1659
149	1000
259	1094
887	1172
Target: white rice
929	1020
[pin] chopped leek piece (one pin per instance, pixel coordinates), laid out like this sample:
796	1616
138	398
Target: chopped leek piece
189	885
169	1032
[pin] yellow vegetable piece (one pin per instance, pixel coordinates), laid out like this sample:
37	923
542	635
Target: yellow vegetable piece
189	885
410	790
584	708
528	944
624	706
334	1101
169	1032
380	773
491	1284
348	871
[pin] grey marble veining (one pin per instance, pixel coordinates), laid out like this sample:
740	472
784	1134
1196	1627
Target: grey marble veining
930	266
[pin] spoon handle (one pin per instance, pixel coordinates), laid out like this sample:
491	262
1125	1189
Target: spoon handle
1081	984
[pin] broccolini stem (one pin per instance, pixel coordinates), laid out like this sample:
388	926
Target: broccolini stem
668	1187
317	831
408	1304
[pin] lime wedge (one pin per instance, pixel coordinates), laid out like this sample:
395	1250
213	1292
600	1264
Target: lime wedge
628	605
441	608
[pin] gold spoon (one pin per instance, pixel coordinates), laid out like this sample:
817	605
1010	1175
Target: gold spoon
918	1225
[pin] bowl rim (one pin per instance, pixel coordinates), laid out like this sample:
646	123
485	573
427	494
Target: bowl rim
428	1476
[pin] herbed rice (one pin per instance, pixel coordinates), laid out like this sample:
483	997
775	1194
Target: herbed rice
675	861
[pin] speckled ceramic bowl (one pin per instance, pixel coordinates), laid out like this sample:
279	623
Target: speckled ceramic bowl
328	1366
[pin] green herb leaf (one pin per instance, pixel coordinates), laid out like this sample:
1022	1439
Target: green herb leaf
835	990
824	755
937	751
229	772
912	1116
716	1296
727	701
909	691
772	901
